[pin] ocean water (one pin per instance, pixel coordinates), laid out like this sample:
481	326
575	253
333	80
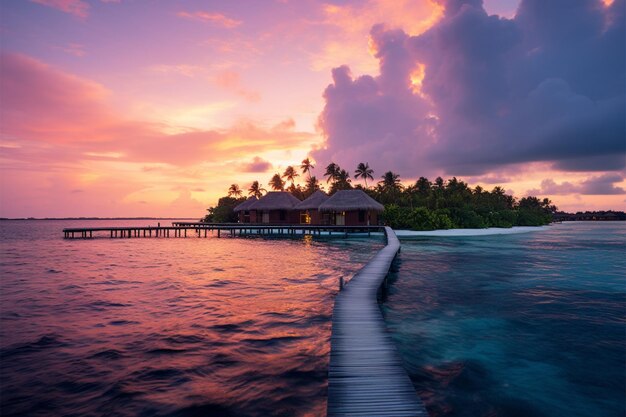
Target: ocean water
528	325
166	327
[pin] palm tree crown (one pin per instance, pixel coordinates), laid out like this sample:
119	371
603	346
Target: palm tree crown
390	181
234	191
364	171
290	174
307	166
277	183
256	190
332	170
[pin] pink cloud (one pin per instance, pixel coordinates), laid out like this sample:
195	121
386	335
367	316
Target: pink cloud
215	18
76	7
231	81
43	103
49	114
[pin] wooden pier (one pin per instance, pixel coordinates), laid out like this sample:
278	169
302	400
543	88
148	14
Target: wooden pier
366	377
181	229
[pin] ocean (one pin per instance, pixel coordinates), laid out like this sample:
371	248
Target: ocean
166	327
516	325
528	324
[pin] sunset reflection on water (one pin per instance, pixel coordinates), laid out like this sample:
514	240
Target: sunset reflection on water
229	326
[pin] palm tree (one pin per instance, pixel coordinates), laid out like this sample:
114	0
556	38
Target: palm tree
312	184
256	190
307	166
234	191
423	185
391	181
342	181
331	171
364	171
277	183
290	174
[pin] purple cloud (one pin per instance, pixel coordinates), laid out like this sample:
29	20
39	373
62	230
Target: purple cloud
258	164
602	185
596	185
548	85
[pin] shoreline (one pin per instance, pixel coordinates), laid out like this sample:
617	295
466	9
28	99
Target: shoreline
490	231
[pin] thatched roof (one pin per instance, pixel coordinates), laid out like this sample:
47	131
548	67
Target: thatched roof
245	205
346	200
275	200
313	201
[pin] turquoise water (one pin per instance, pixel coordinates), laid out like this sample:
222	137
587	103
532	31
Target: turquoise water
515	325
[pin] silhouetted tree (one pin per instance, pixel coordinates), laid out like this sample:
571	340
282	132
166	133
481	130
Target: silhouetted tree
306	166
277	183
364	171
256	190
331	172
312	184
234	191
290	174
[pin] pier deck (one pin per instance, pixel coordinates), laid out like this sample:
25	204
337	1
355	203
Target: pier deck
180	229
366	377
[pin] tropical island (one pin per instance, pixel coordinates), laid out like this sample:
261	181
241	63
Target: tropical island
424	205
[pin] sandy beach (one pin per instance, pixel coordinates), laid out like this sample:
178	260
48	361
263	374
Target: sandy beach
407	234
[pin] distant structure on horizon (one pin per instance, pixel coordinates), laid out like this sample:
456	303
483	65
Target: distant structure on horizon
344	208
609	215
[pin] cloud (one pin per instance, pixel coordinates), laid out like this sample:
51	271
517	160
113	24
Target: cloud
43	103
476	93
596	185
48	115
603	185
76	7
231	81
257	165
215	18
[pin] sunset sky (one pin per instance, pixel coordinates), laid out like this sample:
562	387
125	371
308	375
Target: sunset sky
153	108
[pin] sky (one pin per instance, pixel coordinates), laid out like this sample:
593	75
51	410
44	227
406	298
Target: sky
118	108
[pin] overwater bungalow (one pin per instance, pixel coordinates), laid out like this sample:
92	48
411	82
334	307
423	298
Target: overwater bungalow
275	207
244	214
351	208
308	209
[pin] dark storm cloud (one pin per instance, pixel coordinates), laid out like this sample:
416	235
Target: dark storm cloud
548	85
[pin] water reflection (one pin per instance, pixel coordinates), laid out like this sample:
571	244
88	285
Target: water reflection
224	327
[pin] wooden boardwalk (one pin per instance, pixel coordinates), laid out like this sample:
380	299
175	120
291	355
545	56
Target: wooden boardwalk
366	377
180	229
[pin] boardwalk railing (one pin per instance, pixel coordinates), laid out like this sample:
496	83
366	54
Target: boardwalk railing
366	377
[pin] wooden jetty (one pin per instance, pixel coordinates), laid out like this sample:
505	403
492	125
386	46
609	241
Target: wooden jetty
180	229
366	377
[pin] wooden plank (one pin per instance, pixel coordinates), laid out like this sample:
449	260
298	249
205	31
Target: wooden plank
365	376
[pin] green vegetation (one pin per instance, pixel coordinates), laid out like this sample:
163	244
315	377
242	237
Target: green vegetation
453	204
223	212
424	205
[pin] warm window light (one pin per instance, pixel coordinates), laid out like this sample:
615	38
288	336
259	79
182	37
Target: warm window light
417	77
607	3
